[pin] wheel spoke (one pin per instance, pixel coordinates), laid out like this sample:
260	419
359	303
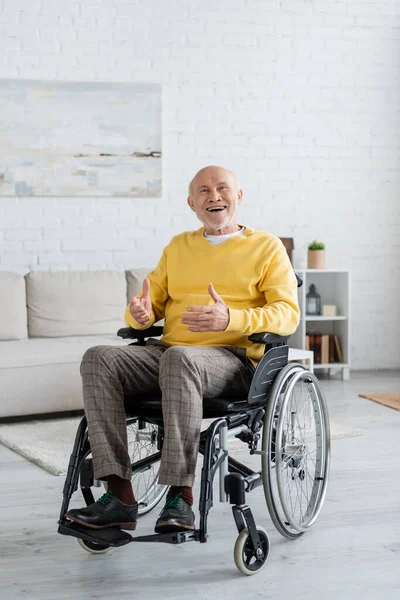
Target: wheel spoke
142	444
295	484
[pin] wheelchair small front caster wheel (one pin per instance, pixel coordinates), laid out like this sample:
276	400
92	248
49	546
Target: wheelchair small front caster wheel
245	558
93	548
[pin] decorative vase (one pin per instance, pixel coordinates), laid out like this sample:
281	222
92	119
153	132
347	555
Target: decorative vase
316	259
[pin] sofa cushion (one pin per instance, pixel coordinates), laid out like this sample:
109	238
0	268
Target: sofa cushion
40	351
134	280
13	319
42	375
75	303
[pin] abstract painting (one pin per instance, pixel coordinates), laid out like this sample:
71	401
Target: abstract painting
80	139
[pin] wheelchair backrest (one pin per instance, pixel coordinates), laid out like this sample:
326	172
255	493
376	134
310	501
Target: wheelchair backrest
267	369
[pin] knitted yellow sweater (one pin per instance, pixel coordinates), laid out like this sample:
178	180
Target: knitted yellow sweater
253	275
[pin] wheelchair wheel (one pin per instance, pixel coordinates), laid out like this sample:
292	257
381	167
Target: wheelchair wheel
296	451
245	559
93	548
143	442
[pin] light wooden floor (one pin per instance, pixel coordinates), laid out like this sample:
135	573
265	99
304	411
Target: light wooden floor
352	553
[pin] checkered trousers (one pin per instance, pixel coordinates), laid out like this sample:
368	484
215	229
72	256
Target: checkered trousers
182	374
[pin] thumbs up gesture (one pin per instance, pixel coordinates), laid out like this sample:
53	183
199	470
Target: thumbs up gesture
141	308
208	318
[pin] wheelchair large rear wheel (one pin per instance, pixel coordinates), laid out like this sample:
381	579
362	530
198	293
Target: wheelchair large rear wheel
296	451
143	441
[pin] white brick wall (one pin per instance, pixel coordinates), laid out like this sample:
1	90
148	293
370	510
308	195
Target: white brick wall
300	97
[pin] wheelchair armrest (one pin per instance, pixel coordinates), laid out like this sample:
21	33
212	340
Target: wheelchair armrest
157	330
267	338
140	334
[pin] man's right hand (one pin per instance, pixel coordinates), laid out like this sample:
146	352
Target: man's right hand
141	308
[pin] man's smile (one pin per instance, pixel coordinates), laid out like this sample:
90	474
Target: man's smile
215	208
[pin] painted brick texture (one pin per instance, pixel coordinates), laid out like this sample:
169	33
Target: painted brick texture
301	98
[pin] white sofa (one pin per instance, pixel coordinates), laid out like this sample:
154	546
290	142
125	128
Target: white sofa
47	321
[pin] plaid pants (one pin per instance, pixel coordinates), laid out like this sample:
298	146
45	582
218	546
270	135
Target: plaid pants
182	374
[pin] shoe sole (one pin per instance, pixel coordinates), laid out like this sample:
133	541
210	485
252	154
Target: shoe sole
131	526
172	526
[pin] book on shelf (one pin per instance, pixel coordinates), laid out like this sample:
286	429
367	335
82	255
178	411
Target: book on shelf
318	348
331	349
326	347
338	349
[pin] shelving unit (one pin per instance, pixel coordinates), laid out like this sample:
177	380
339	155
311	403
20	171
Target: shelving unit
334	287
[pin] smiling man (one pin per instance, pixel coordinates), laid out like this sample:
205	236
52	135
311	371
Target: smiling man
214	287
214	195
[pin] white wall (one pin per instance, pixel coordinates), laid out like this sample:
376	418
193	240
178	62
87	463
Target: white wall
301	98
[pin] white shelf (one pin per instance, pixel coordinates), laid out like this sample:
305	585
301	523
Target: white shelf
334	287
321	318
330	365
322	271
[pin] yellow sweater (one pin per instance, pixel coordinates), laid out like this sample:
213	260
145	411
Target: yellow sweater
253	275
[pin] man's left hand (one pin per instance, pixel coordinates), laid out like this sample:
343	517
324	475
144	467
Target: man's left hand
208	318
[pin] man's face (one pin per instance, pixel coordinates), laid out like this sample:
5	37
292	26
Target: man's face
215	198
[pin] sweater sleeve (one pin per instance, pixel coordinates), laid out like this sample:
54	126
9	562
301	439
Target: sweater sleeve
280	314
158	295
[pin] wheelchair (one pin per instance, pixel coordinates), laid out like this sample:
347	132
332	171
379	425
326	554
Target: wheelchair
285	409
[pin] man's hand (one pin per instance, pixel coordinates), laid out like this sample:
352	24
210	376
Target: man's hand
211	318
141	308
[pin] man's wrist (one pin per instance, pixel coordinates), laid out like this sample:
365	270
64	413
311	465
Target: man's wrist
228	320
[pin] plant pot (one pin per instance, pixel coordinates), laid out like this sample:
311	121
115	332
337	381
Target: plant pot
316	259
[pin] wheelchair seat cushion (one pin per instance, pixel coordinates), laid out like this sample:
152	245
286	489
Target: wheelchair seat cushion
212	407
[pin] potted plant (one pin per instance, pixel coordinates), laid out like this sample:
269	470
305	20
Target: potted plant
316	255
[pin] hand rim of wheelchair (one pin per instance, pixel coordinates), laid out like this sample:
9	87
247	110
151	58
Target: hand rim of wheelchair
273	462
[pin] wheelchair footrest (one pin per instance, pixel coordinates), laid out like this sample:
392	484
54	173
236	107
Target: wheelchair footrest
112	536
177	537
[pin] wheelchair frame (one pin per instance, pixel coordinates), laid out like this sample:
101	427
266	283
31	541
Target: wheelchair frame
236	479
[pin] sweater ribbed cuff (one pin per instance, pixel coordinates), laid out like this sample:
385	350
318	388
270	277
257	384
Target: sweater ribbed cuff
236	320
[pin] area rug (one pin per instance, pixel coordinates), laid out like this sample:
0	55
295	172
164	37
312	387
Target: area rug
392	399
48	442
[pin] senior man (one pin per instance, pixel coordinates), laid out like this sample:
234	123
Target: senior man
214	287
